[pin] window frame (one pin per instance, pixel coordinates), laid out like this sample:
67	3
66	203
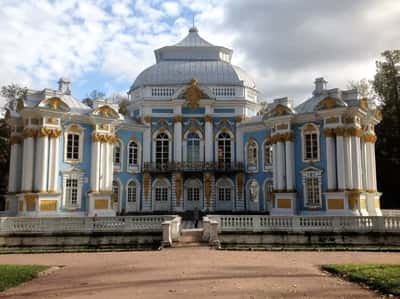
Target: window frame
118	166
308	131
76	175
77	130
228	141
315	175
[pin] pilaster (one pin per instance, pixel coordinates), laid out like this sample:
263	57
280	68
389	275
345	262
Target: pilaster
209	140
178	138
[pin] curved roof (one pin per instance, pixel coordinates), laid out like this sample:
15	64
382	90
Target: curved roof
193	57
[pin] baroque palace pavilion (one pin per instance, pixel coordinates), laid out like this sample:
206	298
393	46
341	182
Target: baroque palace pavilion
193	138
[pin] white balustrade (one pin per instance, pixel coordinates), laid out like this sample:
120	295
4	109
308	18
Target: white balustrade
230	223
25	225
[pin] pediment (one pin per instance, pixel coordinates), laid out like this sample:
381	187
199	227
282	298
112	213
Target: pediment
279	110
54	103
106	112
329	103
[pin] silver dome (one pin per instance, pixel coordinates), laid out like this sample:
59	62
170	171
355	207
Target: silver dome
193	57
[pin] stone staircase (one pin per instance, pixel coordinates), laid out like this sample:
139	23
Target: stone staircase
190	236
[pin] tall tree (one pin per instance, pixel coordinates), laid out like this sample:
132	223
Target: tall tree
12	93
386	85
92	96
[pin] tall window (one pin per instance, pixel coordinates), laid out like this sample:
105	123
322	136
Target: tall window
193	147
132	154
224	190
71	193
115	189
162	148
252	152
73	146
193	194
311	143
117	154
312	188
224	149
267	154
161	193
132	191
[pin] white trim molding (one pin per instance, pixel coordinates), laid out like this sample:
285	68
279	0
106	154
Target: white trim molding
315	176
74	129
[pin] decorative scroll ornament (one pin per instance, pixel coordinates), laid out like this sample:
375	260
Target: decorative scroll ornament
29	132
146	185
178	188
104	138
208	118
49	132
364	103
75	129
177	118
193	94
207	189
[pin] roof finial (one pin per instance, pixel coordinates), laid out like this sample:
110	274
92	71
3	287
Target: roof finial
193	29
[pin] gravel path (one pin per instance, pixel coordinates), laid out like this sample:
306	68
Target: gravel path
192	273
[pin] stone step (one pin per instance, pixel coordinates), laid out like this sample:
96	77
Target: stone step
189	244
191	235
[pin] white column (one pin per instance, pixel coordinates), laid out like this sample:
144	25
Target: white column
239	144
110	165
341	177
147	145
54	164
105	164
275	165
364	164
373	167
27	164
356	162
289	165
14	179
209	140
94	168
348	163
330	163
42	158
178	139
101	166
281	166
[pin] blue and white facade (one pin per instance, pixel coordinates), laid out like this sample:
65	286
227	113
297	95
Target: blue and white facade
193	138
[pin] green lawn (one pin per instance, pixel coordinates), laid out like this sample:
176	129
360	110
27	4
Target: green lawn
384	278
13	275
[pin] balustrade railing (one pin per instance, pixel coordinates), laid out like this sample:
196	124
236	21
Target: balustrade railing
193	166
82	224
307	223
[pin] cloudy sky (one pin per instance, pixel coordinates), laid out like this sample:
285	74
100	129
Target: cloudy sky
283	44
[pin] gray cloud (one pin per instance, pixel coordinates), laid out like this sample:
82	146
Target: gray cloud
297	39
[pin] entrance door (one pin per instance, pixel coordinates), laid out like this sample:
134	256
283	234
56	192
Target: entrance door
193	194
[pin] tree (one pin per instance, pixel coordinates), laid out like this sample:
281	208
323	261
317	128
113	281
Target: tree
365	88
12	93
92	96
386	86
123	107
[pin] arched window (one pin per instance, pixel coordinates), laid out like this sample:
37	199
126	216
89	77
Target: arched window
116	193
162	148
224	190
252	152
224	149
310	143
267	155
117	154
161	191
132	192
193	147
132	154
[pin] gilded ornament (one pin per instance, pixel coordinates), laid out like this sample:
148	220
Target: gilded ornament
332	120
15	139
52	121
29	132
177	118
339	131
282	127
238	118
54	103
329	132
74	129
104	127
208	118
146	185
364	103
309	128
30	201
208	189
369	138
193	94
147	118
178	188
378	114
327	103
349	120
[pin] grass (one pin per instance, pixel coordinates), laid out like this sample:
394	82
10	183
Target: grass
13	275
383	278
